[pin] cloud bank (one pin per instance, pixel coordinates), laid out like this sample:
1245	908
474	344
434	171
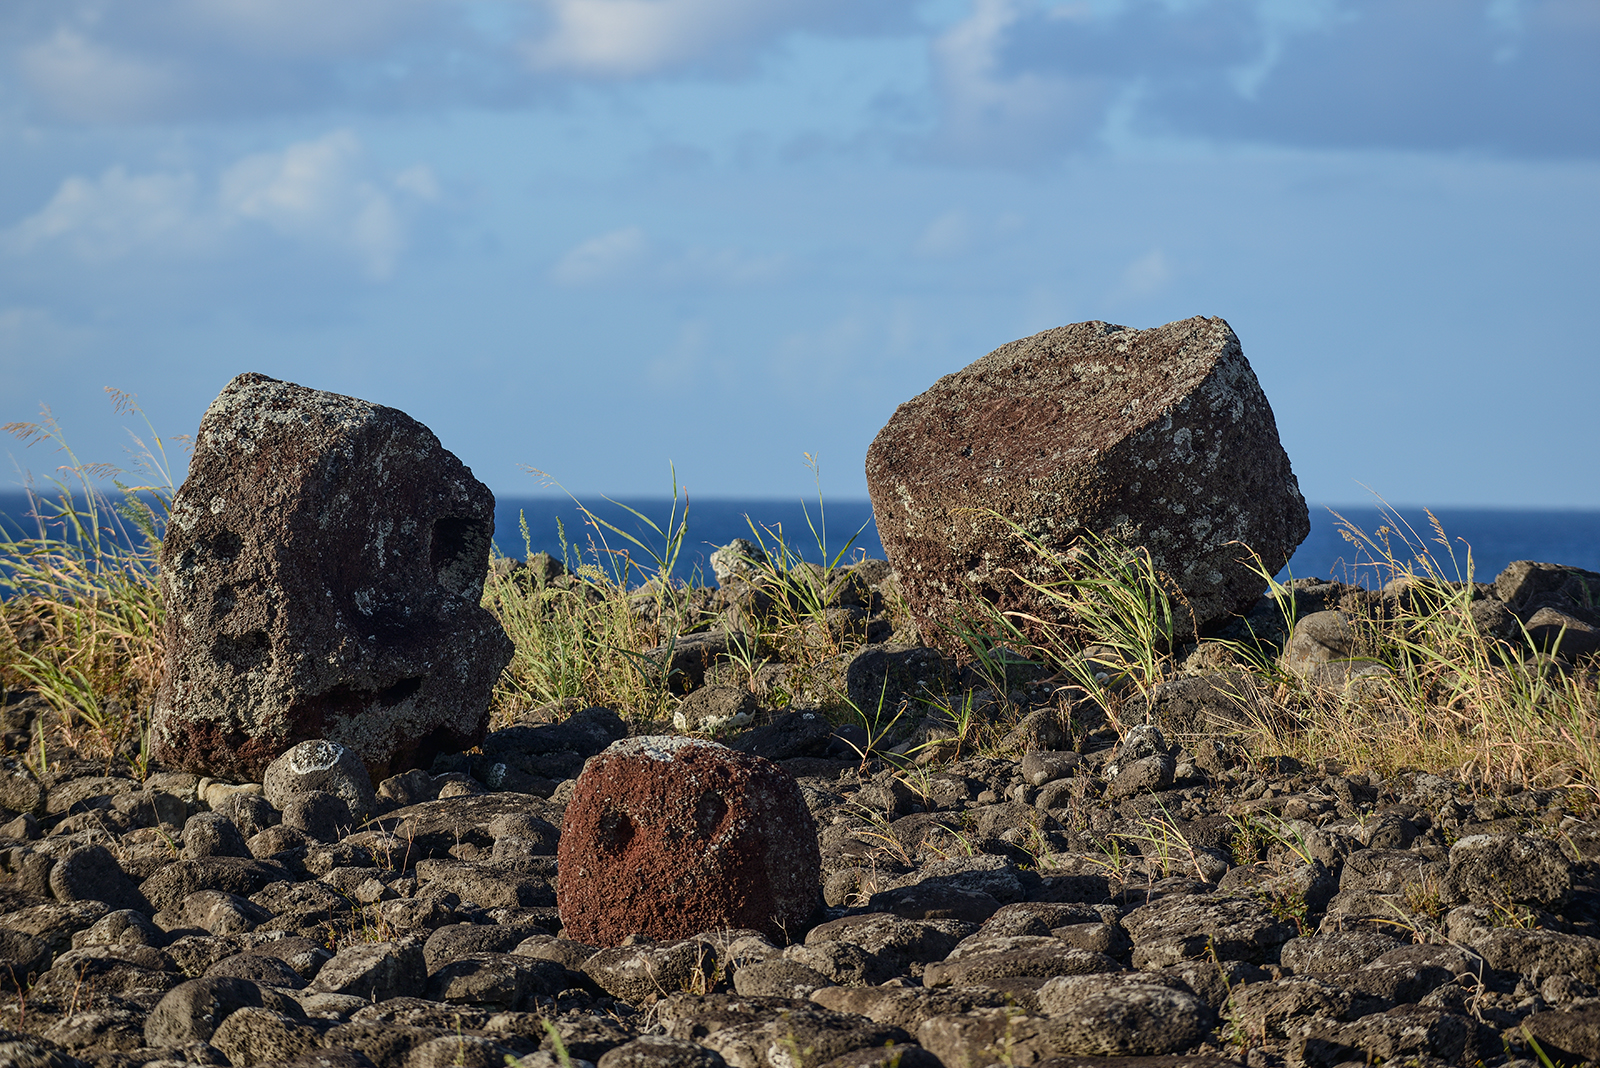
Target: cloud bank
320	196
1009	81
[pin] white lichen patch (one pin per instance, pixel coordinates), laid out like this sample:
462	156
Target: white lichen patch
319	755
658	746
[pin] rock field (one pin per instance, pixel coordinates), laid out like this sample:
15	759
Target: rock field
1159	904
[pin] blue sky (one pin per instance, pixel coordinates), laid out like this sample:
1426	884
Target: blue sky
601	236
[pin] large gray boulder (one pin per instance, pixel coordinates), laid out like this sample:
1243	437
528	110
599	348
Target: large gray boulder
322	572
1160	438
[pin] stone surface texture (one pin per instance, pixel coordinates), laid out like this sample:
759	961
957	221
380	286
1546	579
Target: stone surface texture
1160	438
669	836
322	571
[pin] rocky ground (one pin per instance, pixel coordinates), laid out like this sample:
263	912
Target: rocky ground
1129	901
1064	892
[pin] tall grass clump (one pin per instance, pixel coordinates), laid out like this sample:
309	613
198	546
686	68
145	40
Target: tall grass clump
1448	694
1455	696
601	628
81	619
800	609
1115	618
605	624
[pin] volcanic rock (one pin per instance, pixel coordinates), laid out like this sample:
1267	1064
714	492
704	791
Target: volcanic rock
322	571
667	837
1158	438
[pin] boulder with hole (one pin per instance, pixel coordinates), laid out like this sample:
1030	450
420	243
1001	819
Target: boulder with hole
1159	438
322	571
666	837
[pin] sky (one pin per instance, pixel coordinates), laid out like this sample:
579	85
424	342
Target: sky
613	239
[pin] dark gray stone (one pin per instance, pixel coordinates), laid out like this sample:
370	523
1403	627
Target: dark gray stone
322	572
91	873
21	957
322	766
1123	1015
375	970
661	1051
715	709
192	1011
1506	869
211	834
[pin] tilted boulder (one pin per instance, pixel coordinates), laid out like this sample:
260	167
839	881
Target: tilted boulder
668	836
322	572
1158	438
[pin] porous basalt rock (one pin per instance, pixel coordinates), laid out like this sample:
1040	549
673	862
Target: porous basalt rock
1160	438
230	958
666	837
322	572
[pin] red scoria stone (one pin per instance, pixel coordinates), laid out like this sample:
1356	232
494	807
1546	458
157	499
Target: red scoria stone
667	837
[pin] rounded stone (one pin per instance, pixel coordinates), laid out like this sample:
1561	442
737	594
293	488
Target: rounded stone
124	927
20	790
319	765
661	1051
91	873
210	834
666	837
21	957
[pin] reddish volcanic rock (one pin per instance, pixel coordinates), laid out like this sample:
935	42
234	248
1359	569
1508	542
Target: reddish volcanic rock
667	837
1160	438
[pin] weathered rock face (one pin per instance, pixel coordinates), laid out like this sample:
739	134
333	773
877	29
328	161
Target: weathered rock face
667	837
1160	438
322	572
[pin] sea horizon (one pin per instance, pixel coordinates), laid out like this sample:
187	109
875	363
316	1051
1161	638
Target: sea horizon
1496	535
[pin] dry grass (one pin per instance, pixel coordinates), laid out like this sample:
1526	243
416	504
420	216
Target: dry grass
1456	699
604	632
582	638
82	617
81	624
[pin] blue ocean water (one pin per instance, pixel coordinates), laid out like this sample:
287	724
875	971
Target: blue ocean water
1495	536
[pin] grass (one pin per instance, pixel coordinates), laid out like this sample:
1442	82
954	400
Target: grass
604	633
1455	698
583	637
82	615
81	625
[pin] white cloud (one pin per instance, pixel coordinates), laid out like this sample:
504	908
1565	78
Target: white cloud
117	61
117	215
956	232
635	38
86	80
721	266
305	27
991	112
1279	21
316	194
1143	277
679	368
606	258
948	235
419	181
629	254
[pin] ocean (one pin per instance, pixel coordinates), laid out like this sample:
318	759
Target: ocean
1495	536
